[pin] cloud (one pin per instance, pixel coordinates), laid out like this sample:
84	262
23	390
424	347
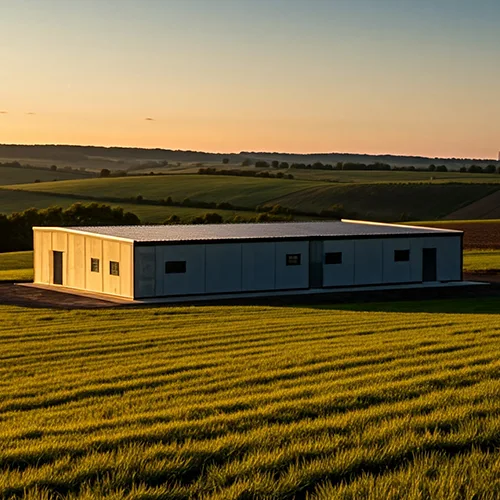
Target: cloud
148	119
31	113
3	112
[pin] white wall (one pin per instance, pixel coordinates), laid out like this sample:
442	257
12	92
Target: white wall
190	282
223	268
339	274
258	261
449	257
368	261
397	272
292	277
145	271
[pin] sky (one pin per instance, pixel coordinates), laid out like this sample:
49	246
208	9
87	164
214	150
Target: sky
416	77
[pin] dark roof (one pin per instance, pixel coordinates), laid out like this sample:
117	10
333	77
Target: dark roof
261	231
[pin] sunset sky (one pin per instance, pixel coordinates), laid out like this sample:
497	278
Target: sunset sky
419	77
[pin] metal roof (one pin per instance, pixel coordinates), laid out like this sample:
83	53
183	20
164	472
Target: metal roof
260	231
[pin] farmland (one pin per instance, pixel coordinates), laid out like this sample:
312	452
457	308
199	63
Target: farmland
16	266
372	201
478	234
242	402
15	175
17	201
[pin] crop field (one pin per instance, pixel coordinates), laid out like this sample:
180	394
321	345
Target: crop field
12	175
478	234
16	266
373	201
17	201
389	201
240	191
252	402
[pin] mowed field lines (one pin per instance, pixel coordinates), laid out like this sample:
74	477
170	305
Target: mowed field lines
250	402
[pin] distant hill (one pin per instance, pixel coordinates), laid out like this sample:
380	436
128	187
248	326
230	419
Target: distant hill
121	157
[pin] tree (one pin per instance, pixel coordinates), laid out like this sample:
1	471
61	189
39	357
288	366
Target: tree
284	164
490	169
246	162
212	218
173	219
275	164
225	161
105	172
53	168
431	168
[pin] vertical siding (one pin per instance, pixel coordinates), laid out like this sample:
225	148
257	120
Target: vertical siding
37	256
144	272
368	265
339	274
76	261
127	269
397	272
189	283
292	277
223	268
93	250
258	261
111	253
449	257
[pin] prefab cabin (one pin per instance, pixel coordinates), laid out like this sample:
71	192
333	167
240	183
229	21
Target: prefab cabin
141	262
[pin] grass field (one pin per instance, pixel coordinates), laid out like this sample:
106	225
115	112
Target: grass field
240	191
389	201
372	201
12	175
252	402
16	266
17	201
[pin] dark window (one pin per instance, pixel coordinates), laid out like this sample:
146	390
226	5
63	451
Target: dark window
175	267
401	255
114	268
94	265
293	259
333	258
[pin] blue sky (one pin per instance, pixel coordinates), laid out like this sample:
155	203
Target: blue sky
415	77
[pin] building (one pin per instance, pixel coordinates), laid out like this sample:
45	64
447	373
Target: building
141	262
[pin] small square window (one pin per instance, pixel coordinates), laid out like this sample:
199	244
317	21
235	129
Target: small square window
401	255
114	268
293	259
333	258
175	267
94	265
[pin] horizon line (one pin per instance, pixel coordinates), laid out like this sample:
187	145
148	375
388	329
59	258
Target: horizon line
405	155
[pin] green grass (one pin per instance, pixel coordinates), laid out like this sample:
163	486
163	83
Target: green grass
12	175
482	261
240	191
250	402
16	266
17	201
389	201
372	201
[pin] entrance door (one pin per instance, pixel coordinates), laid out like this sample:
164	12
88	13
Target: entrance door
315	264
58	268
429	264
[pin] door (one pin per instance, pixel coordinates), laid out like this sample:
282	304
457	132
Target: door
58	268
429	264
315	264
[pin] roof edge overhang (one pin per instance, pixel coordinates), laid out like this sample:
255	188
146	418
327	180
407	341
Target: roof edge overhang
83	233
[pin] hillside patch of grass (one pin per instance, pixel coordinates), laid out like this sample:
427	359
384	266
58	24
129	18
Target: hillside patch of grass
15	175
16	266
239	191
249	402
18	201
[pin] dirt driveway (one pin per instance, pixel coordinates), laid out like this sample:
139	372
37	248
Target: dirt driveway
29	296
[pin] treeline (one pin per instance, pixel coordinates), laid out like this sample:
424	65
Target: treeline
215	218
16	230
244	173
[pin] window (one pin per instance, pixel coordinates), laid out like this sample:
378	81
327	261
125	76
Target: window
401	255
94	265
293	259
114	268
333	258
175	267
